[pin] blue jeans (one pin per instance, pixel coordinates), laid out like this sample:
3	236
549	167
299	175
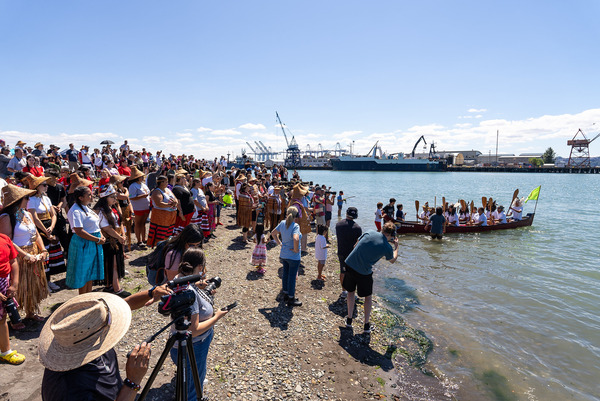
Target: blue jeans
201	353
290	271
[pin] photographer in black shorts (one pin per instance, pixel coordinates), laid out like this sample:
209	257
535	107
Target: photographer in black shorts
371	247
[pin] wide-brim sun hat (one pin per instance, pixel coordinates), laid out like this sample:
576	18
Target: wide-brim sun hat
135	174
33	182
12	193
82	329
298	191
76	182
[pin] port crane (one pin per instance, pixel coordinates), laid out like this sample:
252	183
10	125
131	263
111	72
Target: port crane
292	152
580	150
422	138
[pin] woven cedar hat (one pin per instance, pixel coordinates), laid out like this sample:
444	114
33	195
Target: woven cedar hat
38	144
21	143
206	173
242	178
119	178
135	174
76	181
82	329
12	193
33	182
299	191
182	171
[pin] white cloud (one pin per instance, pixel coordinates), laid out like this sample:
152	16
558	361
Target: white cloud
252	126
477	110
203	129
226	132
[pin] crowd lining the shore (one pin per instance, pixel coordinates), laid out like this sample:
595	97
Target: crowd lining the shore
108	196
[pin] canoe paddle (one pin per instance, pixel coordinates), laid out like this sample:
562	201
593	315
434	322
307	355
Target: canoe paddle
417	207
515	194
483	202
472	211
444	203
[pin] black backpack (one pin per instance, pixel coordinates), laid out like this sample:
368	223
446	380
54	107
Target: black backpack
155	268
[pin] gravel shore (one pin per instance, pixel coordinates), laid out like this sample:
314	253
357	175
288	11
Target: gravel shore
263	349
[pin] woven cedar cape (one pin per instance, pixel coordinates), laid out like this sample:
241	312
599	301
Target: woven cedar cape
244	210
274	203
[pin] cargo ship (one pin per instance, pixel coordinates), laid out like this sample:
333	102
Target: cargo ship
384	162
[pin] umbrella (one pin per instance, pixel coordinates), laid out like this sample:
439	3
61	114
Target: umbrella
107	142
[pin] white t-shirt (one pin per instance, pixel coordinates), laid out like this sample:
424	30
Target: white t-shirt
104	221
198	195
482	219
40	204
85	159
23	233
320	248
78	218
378	215
501	217
517	212
452	219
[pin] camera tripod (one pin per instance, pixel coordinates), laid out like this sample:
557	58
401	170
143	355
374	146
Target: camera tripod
183	338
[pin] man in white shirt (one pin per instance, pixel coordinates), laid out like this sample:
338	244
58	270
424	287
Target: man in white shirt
500	215
17	163
480	218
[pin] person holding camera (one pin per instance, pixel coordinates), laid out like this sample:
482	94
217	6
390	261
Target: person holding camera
76	347
371	247
203	318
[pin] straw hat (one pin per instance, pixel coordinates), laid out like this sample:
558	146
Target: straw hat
205	173
82	329
135	174
242	178
33	182
182	171
21	143
12	193
38	144
106	190
119	178
76	181
298	191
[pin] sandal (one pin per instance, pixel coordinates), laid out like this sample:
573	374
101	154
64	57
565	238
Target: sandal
14	358
36	318
18	327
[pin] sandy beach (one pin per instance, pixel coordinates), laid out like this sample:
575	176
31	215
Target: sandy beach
264	350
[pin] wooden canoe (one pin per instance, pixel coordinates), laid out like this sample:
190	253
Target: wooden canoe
413	227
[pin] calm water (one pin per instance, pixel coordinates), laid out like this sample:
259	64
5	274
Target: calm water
518	310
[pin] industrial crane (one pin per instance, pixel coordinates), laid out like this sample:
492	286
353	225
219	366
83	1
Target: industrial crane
422	138
292	152
252	149
580	150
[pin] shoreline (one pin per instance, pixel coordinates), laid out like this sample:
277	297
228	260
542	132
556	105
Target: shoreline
264	350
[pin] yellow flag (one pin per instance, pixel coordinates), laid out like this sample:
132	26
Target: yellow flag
534	194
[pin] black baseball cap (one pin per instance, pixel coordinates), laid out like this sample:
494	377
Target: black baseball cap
352	212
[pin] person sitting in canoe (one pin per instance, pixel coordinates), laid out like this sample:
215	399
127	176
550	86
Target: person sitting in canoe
452	216
463	215
388	210
479	219
424	215
517	211
500	216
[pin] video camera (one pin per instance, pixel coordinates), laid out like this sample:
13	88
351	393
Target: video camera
177	303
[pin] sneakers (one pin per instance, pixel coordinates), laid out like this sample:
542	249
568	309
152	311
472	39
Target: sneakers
294	302
368	327
53	286
344	294
348	322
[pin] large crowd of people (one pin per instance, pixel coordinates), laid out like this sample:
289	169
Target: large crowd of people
79	212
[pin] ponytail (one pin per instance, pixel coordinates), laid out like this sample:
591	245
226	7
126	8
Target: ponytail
186	268
191	259
291	214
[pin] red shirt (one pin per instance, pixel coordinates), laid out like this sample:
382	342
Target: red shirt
103	181
124	170
7	253
35	171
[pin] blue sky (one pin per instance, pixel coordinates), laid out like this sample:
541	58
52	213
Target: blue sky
204	77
